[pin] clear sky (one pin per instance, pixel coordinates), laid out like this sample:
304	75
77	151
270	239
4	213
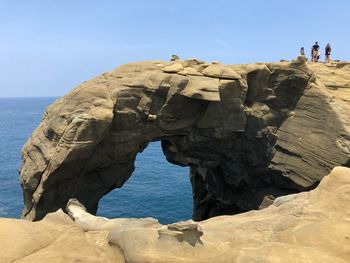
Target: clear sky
49	47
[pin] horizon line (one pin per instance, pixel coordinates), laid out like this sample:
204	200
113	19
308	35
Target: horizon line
30	97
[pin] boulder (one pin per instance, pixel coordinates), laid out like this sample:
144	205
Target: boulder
217	70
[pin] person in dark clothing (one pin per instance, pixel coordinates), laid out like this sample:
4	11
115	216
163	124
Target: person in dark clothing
174	57
315	52
302	51
328	53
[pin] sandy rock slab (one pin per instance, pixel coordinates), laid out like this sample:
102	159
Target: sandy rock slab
56	238
311	226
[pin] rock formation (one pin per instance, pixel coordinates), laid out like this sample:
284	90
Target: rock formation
249	133
306	227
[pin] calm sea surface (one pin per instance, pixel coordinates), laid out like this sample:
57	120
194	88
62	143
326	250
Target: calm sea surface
156	189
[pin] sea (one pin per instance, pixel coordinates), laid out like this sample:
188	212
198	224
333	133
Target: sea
156	188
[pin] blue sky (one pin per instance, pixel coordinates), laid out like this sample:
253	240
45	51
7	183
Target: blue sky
49	47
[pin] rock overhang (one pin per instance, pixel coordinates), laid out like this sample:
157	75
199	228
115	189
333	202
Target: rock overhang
224	121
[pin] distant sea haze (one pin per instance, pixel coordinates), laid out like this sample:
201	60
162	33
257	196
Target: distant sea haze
156	189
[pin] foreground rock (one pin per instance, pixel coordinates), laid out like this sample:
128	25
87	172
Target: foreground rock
306	227
249	133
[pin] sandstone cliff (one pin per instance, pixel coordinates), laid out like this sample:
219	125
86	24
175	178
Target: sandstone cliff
306	227
249	133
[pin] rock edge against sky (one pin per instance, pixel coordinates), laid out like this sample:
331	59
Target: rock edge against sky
249	133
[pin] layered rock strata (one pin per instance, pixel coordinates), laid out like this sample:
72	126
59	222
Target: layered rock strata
306	227
249	133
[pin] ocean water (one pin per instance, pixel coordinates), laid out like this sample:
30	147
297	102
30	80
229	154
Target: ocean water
156	189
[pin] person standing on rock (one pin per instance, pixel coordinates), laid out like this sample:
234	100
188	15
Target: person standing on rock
302	51
174	57
314	52
328	53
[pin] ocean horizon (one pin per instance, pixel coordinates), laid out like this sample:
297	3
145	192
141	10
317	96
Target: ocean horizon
156	188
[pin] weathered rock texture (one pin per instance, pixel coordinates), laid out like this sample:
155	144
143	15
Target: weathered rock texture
306	227
249	133
54	239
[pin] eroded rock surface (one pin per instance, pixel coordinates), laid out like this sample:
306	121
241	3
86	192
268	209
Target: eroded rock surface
310	227
56	238
249	133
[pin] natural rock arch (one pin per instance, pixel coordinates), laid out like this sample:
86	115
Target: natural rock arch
229	123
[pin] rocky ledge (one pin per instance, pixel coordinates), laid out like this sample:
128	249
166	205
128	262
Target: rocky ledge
311	226
249	133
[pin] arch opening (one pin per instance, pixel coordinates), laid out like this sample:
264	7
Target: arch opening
156	189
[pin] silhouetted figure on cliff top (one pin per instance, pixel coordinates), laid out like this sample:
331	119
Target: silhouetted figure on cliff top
315	54
174	57
328	50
